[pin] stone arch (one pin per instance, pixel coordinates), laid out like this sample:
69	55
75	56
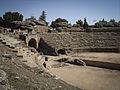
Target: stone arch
61	51
22	37
32	43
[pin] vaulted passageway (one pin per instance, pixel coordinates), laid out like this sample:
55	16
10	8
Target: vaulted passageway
61	51
32	43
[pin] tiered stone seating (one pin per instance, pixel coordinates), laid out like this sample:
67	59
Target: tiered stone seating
27	56
82	40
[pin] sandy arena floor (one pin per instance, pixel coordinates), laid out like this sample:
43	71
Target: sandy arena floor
90	78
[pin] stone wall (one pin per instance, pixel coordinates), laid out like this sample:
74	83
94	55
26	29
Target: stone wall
97	39
83	41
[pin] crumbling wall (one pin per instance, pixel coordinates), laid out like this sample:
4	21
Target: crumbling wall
97	41
83	41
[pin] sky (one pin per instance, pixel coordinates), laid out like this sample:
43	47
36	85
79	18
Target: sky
72	10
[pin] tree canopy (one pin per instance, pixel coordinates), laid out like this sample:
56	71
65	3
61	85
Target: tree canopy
43	16
9	17
79	23
59	22
15	18
85	25
1	21
112	20
111	23
12	16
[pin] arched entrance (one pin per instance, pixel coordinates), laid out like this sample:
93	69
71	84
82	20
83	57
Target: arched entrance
61	51
22	37
32	43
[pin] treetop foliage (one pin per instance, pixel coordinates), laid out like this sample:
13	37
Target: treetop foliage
9	17
85	25
111	23
112	20
59	22
79	23
43	16
12	16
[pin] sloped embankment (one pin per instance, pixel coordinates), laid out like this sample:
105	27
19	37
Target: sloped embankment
15	75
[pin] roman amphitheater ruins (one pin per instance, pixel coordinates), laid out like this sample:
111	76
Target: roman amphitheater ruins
67	51
52	43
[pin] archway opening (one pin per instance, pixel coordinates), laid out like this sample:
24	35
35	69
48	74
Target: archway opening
61	51
22	37
32	43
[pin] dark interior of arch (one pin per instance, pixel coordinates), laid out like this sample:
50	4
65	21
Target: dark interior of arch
61	51
22	37
32	43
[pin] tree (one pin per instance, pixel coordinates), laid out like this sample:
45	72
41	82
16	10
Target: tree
79	23
85	25
103	20
16	16
1	21
112	20
59	22
111	23
53	24
9	17
12	16
43	16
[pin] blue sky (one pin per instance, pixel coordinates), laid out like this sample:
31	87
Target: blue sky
71	10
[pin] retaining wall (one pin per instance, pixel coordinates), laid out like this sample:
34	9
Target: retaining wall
84	41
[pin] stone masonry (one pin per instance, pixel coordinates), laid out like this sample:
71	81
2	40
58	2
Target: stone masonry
50	43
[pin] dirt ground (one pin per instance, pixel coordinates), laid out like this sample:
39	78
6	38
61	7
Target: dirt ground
86	77
89	78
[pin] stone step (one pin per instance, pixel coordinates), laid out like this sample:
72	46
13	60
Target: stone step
14	50
102	64
3	41
12	46
19	55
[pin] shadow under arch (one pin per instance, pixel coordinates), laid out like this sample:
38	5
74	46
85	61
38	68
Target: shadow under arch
45	48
